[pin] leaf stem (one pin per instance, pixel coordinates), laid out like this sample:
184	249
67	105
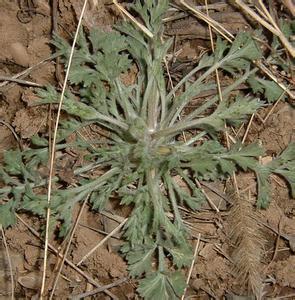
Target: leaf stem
153	106
173	201
188	122
161	266
95	183
7	190
225	92
179	127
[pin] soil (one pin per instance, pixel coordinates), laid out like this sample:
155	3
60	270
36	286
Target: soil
24	43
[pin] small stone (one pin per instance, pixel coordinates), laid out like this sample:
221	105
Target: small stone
31	280
19	54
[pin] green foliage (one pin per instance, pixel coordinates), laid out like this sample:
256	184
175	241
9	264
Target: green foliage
271	90
141	156
284	166
239	53
140	260
160	286
277	56
278	61
7	216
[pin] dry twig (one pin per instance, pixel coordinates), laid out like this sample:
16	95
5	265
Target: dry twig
27	71
139	25
20	81
192	264
247	129
207	197
217	26
102	241
68	262
273	107
52	156
12	131
67	248
9	262
99	290
266	20
290	5
228	36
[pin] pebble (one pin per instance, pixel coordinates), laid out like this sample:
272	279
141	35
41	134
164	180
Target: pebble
31	280
19	54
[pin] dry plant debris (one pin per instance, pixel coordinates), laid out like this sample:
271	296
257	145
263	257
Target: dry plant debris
245	234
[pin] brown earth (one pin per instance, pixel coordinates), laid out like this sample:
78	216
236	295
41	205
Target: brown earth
24	42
